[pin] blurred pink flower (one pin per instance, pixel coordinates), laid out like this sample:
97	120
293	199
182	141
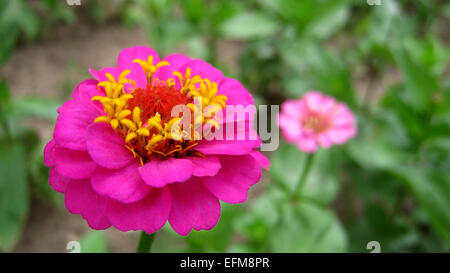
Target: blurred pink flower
114	155
316	120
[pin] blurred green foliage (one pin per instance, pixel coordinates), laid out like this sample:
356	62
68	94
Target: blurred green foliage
22	168
389	63
93	242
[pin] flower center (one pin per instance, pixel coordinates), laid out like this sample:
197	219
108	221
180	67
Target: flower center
157	99
315	122
143	116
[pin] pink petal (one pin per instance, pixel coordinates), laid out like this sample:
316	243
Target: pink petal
293	108
314	100
328	104
290	127
57	181
343	117
128	55
71	126
99	75
308	145
324	140
85	91
340	136
261	158
242	140
136	74
49	157
236	93
106	147
124	185
193	207
74	164
159	173
176	61
205	166
66	106
204	69
81	199
150	214
233	181
227	147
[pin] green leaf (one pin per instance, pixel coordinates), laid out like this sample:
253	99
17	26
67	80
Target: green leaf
376	149
374	153
93	242
330	18
197	48
223	10
4	93
9	36
250	25
383	21
314	19
14	202
287	164
195	10
432	189
257	222
96	9
297	12
18	13
429	53
379	141
420	83
318	68
293	85
167	33
306	227
35	107
322	183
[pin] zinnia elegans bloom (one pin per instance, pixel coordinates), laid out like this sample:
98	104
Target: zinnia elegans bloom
116	160
315	120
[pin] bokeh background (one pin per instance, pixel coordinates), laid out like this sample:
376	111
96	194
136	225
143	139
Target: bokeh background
388	62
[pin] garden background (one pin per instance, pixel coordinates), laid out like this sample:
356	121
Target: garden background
388	62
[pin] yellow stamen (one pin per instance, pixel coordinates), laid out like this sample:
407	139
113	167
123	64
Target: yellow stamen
148	66
129	124
123	114
130	136
143	132
154	139
137	114
101	119
155	122
114	123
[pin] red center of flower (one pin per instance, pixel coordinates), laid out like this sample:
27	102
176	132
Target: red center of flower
157	99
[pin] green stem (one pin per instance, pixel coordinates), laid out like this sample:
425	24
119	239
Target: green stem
303	178
145	242
5	127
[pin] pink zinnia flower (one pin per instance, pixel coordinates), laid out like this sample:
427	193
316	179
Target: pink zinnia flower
114	155
315	120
